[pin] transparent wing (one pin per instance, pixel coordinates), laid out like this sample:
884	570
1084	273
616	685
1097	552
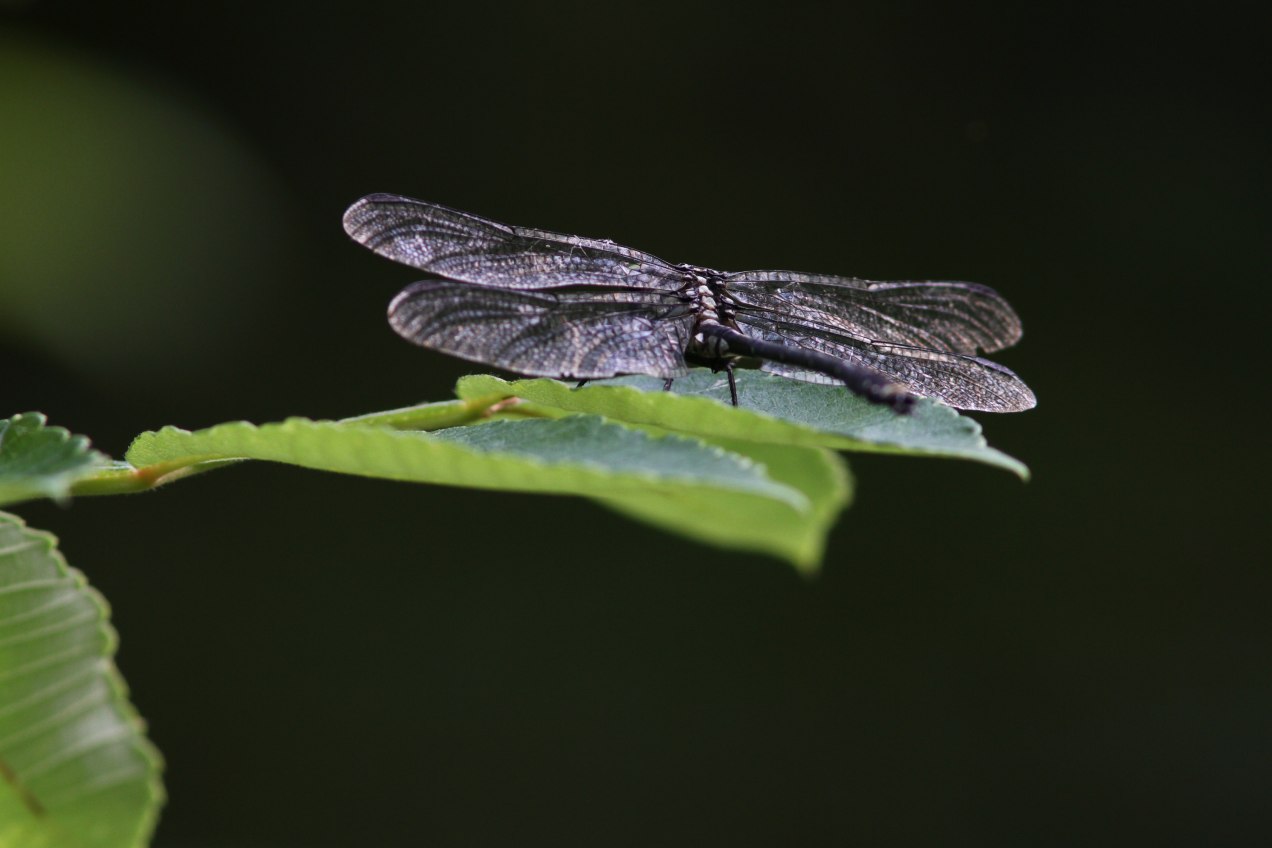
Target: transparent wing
578	333
961	318
460	246
960	380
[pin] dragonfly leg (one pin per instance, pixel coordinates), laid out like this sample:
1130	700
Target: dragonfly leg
733	386
867	382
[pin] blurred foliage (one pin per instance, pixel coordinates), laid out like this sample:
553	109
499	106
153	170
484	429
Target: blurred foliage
133	226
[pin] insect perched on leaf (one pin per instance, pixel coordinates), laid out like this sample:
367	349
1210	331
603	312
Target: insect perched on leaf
543	304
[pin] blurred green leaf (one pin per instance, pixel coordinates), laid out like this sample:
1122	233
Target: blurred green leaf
137	229
37	461
76	768
778	502
773	409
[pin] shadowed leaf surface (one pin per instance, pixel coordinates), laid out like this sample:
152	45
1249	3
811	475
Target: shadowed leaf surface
773	409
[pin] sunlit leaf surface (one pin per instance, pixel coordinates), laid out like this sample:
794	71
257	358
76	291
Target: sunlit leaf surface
76	769
37	461
765	500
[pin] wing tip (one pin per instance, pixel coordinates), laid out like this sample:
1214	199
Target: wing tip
357	215
1024	401
1012	394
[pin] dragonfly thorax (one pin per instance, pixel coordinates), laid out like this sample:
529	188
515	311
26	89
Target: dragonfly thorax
713	306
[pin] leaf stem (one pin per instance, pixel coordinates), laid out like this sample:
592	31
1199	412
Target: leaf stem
120	478
451	413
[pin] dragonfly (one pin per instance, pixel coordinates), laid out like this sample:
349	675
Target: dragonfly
545	304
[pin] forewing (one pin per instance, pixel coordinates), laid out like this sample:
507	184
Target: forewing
962	381
954	317
460	246
576	333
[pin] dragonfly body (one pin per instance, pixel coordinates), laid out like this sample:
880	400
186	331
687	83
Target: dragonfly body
717	341
546	304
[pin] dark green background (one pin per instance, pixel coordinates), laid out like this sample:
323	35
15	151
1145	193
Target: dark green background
335	661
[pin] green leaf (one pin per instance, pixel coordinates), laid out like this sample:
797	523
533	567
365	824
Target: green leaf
703	491
591	441
41	462
797	536
773	409
75	767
